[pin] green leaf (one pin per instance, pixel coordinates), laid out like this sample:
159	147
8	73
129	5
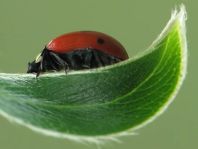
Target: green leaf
101	103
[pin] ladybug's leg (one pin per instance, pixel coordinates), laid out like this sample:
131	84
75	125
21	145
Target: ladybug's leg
102	59
97	60
37	74
66	66
87	59
40	68
60	61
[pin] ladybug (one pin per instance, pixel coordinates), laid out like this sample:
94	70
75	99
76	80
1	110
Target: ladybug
77	51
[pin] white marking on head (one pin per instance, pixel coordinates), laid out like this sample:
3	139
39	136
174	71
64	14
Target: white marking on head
38	58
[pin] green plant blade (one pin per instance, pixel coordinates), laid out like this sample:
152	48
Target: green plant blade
103	102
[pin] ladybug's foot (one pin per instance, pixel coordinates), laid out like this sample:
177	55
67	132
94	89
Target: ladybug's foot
39	71
66	67
37	74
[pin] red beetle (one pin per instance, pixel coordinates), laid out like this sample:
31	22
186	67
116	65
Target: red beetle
78	50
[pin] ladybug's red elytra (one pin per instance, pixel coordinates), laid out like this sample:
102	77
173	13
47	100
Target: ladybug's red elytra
77	51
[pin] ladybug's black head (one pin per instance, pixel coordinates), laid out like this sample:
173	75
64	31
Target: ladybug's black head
33	67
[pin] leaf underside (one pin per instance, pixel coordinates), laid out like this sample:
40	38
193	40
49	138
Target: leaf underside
101	101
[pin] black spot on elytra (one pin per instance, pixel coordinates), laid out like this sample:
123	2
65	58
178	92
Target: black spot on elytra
100	41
